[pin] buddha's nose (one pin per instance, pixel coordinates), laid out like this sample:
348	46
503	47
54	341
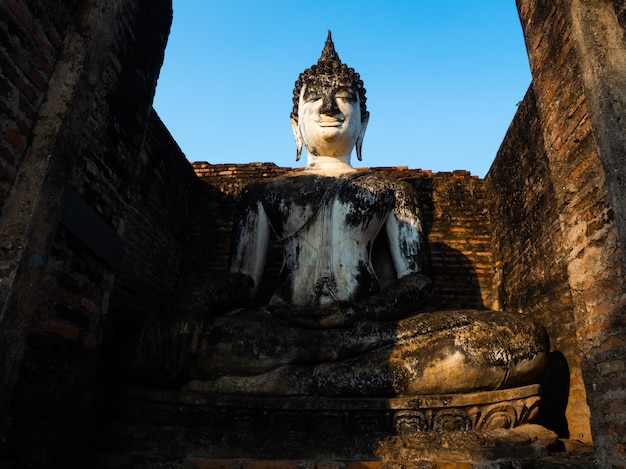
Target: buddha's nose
329	105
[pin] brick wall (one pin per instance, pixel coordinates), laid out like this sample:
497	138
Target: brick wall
454	212
577	56
94	177
460	240
31	39
155	239
34	36
156	227
531	264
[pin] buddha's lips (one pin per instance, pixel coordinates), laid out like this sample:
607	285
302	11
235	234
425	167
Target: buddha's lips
329	122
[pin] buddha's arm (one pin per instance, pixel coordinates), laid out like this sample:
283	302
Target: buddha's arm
251	233
250	241
248	253
405	295
173	335
409	252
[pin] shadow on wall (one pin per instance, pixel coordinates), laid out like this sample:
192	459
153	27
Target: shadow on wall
448	203
455	280
454	277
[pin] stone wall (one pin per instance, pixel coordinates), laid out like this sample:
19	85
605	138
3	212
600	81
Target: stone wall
155	238
32	39
531	265
454	214
89	179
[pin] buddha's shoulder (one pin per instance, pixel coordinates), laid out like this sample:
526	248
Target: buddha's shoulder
304	182
287	186
384	180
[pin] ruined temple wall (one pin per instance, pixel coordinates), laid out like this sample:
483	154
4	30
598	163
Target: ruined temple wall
156	227
33	52
87	201
531	264
577	56
155	237
32	38
588	215
454	214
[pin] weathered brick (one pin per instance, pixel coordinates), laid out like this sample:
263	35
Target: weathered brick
613	407
23	15
363	465
15	139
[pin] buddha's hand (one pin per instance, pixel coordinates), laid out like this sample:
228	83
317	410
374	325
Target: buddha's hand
169	339
172	337
339	314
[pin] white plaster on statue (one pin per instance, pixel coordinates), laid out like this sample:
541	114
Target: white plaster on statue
329	125
251	249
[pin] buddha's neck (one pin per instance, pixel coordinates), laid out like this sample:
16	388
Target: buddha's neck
331	164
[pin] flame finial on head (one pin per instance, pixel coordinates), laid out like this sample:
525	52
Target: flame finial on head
329	54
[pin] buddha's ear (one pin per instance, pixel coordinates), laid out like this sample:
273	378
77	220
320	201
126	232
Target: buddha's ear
298	137
359	139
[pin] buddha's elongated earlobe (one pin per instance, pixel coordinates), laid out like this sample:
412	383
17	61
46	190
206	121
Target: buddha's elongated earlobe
359	139
298	137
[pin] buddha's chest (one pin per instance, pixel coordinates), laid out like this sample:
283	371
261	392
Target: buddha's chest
322	207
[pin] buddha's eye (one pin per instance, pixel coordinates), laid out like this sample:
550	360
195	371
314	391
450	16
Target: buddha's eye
311	96
347	95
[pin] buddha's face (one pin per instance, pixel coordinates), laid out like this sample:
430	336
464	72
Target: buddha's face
329	118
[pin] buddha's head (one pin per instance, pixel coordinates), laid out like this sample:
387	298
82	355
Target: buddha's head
329	115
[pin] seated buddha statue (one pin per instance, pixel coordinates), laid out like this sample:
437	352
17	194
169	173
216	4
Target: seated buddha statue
334	326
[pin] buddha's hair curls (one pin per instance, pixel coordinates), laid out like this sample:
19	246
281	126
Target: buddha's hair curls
328	67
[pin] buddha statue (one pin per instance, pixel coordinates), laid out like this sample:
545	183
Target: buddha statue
334	326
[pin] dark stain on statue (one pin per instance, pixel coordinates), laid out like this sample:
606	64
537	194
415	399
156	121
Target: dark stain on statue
281	196
366	198
284	287
367	282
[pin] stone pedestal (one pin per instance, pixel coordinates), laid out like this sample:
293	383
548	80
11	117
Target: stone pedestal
169	426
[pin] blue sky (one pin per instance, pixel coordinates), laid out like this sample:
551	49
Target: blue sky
443	77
